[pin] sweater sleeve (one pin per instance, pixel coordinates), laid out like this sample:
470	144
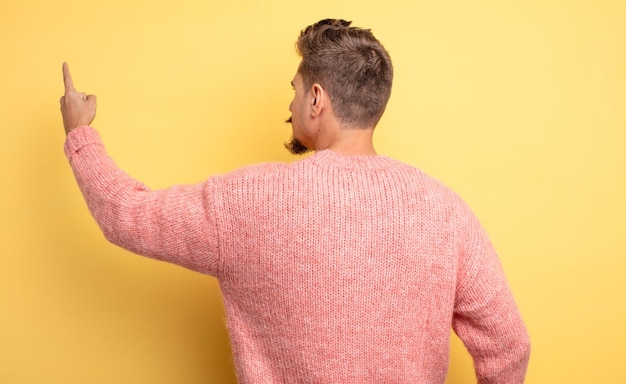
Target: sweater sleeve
486	317
176	224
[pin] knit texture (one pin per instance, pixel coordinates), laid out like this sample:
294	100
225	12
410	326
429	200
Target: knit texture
333	269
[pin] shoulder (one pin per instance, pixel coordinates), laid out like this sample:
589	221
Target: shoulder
431	185
256	170
437	196
257	176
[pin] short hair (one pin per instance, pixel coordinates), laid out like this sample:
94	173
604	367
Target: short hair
351	65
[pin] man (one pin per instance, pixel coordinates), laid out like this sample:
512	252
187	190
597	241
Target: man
343	267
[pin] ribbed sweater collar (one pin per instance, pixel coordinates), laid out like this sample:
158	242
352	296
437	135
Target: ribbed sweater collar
330	158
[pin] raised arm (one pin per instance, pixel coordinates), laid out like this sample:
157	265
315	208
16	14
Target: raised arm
176	224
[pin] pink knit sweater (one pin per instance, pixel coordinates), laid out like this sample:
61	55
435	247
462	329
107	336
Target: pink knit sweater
333	269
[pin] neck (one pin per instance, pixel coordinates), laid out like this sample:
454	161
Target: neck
352	142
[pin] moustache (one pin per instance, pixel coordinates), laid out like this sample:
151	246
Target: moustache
288	120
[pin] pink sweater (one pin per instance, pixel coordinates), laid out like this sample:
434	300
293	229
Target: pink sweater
333	269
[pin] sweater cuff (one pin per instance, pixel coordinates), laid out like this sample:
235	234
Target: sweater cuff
79	138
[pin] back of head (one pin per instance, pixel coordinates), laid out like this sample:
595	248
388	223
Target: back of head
353	67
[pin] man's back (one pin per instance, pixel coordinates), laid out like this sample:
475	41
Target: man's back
338	269
345	269
333	268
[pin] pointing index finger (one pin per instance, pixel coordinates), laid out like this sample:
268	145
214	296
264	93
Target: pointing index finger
67	79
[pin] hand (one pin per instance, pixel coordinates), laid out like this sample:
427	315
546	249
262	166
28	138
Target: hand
77	108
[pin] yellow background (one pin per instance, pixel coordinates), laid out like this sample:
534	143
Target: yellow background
518	106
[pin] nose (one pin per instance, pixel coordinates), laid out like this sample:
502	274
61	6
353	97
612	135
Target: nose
290	104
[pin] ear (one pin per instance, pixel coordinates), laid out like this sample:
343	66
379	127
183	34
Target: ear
317	99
